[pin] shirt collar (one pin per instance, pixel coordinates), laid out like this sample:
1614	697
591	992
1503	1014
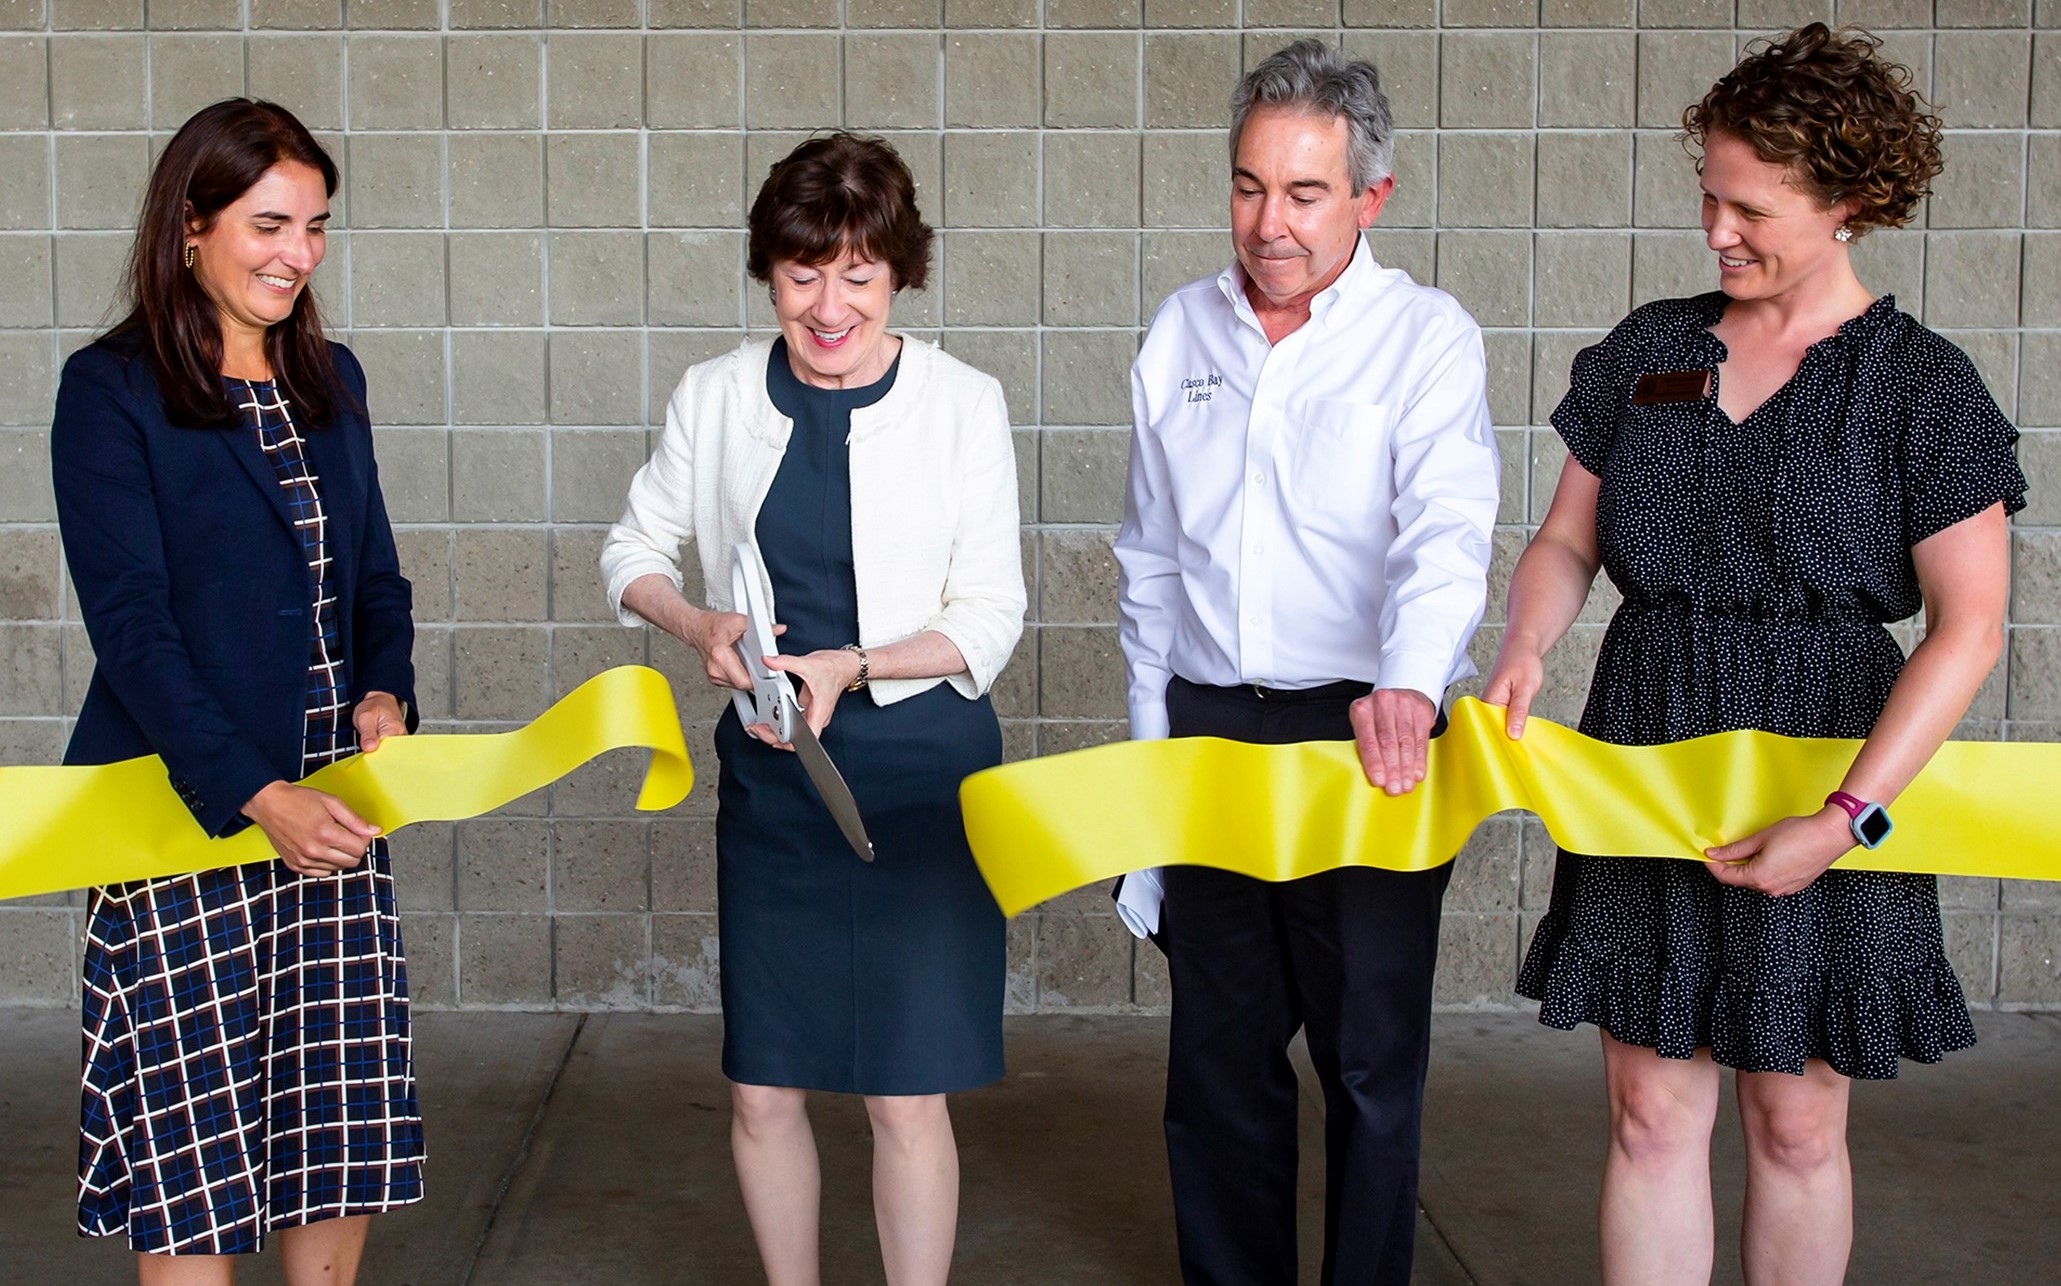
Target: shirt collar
1359	275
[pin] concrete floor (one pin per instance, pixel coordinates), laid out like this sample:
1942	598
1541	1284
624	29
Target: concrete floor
574	1149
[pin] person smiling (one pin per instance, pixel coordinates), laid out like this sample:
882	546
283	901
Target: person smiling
1770	473
875	477
248	1061
1304	557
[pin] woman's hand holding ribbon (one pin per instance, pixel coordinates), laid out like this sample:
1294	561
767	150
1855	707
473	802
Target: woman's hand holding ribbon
314	833
1785	857
378	717
1512	684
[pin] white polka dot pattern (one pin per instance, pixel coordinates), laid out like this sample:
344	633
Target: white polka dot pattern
1759	563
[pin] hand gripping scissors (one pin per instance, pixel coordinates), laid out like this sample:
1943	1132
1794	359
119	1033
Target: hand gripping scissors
771	699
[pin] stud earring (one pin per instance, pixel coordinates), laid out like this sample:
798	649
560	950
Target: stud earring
1843	235
189	255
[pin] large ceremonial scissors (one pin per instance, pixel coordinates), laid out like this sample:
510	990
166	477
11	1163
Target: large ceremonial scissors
771	699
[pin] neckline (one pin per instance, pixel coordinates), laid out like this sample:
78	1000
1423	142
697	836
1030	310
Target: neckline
1870	319
782	378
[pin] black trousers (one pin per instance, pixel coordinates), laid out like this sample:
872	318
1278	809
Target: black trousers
1345	955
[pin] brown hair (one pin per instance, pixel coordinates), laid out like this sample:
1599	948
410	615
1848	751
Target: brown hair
837	193
216	156
1844	120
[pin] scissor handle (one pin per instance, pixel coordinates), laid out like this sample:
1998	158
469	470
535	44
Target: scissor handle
771	699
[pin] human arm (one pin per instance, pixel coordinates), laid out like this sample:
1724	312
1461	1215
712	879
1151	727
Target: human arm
655	597
1964	573
114	543
383	604
1148	591
982	601
1547	589
657	519
1436	570
827	675
640	567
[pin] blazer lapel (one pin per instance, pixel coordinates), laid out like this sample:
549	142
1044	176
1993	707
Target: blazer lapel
242	442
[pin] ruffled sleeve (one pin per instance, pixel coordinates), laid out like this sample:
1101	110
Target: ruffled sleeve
1599	386
1959	456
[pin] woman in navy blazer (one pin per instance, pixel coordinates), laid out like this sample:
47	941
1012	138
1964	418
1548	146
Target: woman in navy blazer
248	1065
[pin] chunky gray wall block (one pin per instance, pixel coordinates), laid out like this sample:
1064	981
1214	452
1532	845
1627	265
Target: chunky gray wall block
541	226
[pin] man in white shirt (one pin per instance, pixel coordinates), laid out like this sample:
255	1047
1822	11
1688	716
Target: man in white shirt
1304	557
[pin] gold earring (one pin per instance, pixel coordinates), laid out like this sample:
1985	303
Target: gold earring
189	255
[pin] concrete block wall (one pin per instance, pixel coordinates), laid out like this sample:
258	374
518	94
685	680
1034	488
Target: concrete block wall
539	230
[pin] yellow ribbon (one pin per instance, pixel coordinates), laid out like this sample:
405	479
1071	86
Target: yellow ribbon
1041	827
76	826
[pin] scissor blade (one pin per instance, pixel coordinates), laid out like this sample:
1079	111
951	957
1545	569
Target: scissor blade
830	784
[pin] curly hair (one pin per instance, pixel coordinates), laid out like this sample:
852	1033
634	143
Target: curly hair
1844	120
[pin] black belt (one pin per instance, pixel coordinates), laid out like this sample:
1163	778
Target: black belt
1344	690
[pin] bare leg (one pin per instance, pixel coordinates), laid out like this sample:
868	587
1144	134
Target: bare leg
1799	1183
775	1152
915	1187
1656	1215
325	1253
185	1270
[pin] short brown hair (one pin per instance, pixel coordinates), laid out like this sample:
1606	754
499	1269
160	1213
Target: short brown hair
1844	119
837	193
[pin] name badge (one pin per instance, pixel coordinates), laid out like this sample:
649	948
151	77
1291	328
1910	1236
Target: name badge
1661	387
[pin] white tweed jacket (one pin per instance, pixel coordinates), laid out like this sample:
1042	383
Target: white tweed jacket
934	515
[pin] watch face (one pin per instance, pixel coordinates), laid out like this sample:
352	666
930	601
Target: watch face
1872	825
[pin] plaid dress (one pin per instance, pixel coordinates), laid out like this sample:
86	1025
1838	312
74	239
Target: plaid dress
247	1058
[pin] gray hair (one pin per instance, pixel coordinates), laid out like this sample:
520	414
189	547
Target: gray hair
1312	78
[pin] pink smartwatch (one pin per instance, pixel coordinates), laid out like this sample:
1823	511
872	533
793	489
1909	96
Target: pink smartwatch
1869	821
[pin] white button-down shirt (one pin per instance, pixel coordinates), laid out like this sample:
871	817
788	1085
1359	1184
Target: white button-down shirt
1305	512
1310	511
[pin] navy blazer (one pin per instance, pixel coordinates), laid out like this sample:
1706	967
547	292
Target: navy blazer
195	589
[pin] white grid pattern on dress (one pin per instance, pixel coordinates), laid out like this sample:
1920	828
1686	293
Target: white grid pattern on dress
248	1058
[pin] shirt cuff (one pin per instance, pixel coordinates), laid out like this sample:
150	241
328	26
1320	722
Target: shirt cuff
1148	721
1423	672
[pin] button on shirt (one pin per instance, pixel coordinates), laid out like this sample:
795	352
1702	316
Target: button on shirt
1310	511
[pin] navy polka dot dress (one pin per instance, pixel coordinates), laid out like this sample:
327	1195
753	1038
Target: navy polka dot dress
1760	563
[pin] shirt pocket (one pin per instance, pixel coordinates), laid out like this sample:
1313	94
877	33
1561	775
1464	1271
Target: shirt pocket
1338	457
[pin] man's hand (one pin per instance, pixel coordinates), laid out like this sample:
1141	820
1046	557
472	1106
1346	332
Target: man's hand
1392	728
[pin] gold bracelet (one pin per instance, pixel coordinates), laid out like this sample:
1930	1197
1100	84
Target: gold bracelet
865	667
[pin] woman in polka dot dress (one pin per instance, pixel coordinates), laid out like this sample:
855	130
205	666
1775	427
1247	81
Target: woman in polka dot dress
1770	474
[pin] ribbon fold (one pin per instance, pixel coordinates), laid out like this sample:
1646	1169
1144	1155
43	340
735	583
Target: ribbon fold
1041	827
68	827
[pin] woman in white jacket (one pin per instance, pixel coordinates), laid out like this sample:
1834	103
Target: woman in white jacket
875	477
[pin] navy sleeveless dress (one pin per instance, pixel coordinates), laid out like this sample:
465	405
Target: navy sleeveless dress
865	978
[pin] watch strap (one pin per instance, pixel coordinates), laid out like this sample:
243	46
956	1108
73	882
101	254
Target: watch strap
1869	821
1853	804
